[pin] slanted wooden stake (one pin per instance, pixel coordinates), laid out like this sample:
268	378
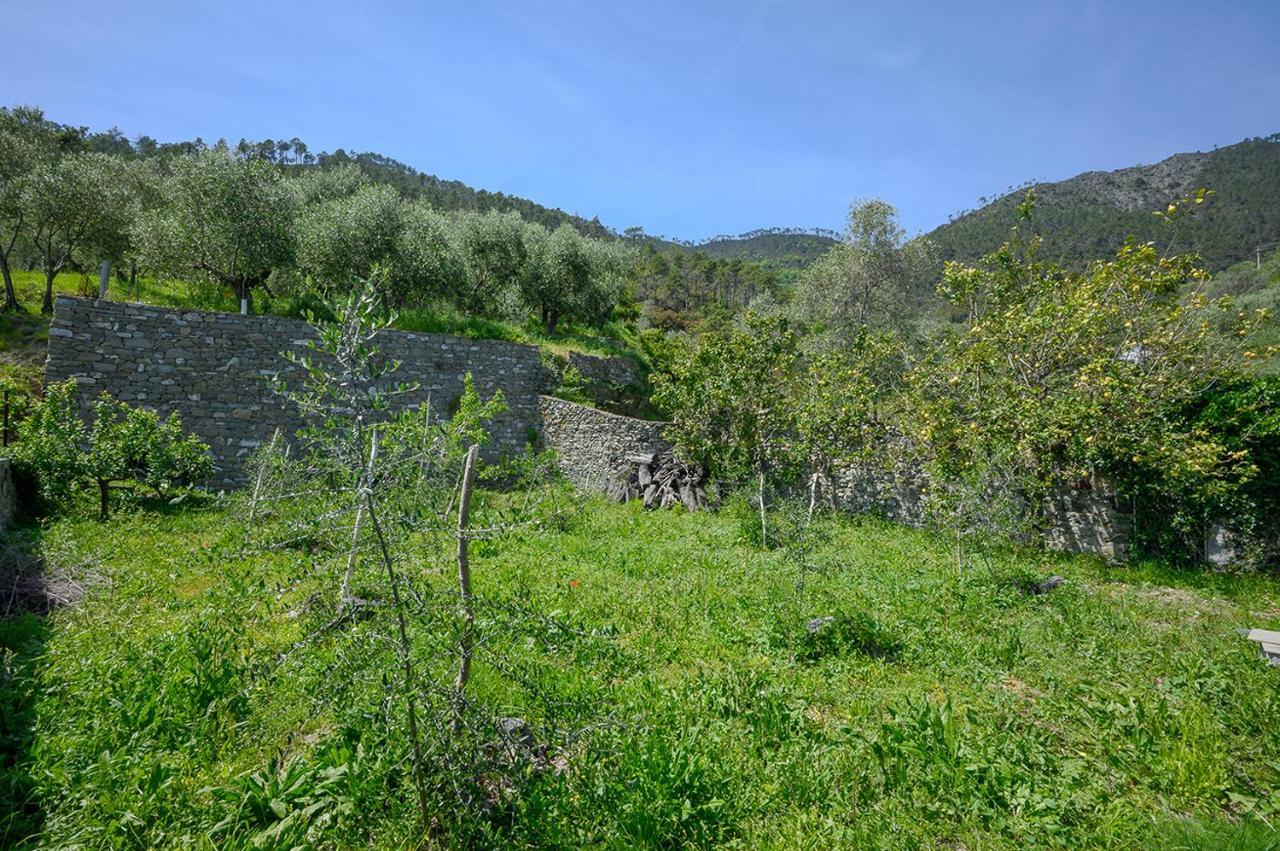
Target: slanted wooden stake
464	586
257	491
406	657
344	590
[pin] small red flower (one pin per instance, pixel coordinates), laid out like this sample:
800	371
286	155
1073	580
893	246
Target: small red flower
573	583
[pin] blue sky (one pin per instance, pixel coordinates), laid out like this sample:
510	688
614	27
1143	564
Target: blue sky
690	119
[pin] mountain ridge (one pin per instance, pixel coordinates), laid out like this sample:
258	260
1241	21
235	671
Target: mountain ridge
1089	216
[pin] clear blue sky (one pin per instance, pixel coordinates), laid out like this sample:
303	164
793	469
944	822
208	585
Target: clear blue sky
687	118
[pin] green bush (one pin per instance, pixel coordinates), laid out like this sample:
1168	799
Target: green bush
122	445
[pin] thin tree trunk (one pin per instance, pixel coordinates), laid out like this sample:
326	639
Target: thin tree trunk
47	306
344	590
366	479
104	505
406	658
257	492
464	587
764	532
10	295
813	496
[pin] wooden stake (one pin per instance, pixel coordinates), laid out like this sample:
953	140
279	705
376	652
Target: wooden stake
464	585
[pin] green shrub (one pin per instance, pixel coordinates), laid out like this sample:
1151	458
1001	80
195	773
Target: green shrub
123	444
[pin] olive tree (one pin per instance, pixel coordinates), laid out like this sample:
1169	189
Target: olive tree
342	239
81	202
866	279
494	253
20	152
571	277
429	264
29	142
220	219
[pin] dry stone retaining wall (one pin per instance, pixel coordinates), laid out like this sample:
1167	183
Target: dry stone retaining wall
613	372
1088	519
215	370
592	446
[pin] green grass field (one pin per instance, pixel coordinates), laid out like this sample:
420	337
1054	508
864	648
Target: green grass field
193	698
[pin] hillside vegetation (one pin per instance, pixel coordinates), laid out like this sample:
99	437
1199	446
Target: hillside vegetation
387	642
1089	216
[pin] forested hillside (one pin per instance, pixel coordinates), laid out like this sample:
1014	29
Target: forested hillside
1088	216
781	248
778	248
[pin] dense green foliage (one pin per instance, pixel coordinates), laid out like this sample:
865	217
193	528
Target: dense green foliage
121	444
870	279
196	698
285	667
1089	216
682	292
1051	378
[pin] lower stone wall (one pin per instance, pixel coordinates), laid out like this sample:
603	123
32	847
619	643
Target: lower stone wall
893	491
592	446
1088	519
1084	519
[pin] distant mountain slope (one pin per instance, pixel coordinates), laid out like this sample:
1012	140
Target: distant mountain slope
1091	214
786	248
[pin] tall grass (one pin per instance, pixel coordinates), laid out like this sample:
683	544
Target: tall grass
184	703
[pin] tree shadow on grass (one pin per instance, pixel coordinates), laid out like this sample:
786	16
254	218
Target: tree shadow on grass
28	592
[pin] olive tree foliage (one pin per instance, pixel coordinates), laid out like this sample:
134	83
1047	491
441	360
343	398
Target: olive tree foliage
1058	376
341	239
866	280
55	200
23	147
494	251
80	203
220	220
328	184
570	277
429	264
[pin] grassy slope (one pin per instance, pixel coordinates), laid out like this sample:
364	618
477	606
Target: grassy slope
1119	710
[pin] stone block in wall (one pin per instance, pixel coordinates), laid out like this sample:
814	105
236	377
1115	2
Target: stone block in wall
1221	545
892	491
1088	519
